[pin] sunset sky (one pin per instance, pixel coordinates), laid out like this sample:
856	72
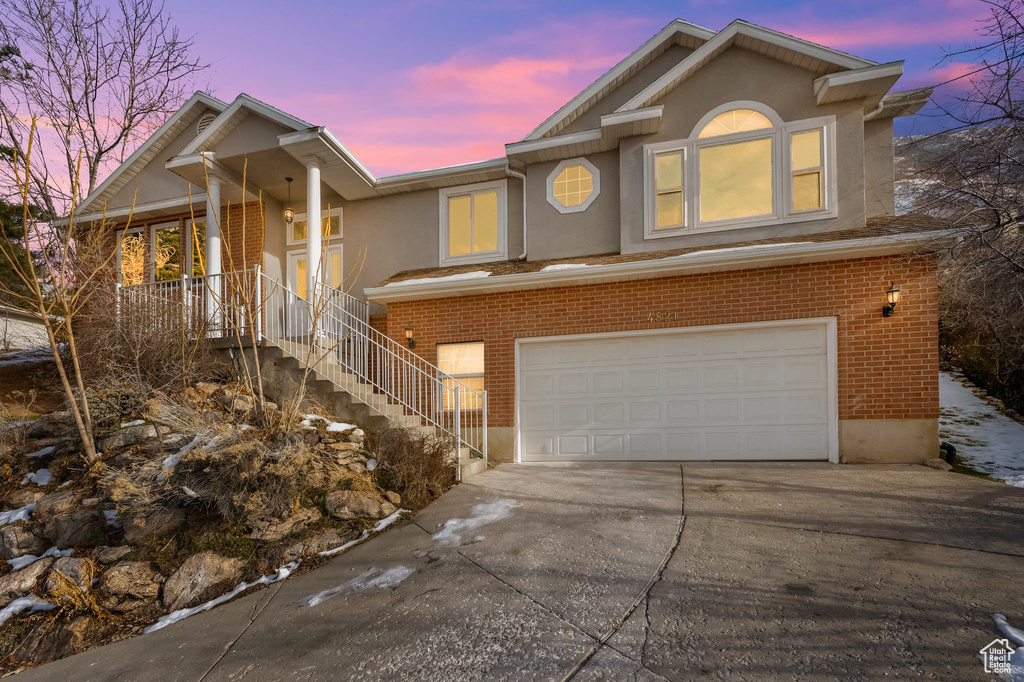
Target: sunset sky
417	84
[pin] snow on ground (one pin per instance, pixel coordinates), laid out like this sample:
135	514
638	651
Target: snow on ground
42	453
181	614
28	356
21	514
987	440
171	461
41	477
451	532
377	527
333	427
137	422
29	559
371	578
446	278
30	603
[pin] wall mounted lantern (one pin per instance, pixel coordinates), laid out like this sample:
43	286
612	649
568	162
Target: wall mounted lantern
289	214
408	336
892	297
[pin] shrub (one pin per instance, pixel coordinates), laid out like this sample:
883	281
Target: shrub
418	467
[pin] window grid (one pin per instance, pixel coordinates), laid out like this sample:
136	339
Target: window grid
573	185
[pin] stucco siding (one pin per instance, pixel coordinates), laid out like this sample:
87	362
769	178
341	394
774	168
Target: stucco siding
879	169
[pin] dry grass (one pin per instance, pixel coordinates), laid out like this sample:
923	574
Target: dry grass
419	468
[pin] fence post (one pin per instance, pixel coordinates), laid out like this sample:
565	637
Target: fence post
117	302
485	427
458	433
258	297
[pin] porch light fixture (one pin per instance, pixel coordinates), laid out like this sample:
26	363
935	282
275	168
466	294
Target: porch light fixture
289	213
892	297
408	336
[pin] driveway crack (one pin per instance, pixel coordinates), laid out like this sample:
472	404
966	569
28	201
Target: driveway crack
257	609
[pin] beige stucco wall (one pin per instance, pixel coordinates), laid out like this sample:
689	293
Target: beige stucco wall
551	234
888	441
739	74
879	169
253	134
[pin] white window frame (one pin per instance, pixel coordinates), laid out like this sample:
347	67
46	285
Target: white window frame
188	243
782	174
595	174
153	227
501	253
291	275
121	234
336	211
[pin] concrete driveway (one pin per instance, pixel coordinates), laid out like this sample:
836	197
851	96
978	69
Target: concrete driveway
632	571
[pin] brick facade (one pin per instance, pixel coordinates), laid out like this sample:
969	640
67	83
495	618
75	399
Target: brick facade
888	367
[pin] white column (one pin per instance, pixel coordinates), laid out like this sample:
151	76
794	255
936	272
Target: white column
213	248
314	268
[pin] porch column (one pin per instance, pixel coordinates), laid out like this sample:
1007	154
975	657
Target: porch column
313	255
212	248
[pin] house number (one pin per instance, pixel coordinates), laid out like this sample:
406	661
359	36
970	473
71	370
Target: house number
662	317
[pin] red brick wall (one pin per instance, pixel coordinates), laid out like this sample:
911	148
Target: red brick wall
888	367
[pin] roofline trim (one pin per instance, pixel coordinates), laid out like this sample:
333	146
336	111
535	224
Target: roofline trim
726	258
252	104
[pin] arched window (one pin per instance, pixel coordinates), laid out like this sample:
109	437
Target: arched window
741	166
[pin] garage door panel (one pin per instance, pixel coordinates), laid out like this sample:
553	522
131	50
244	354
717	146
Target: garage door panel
748	393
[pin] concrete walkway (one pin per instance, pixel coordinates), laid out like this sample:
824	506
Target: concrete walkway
642	571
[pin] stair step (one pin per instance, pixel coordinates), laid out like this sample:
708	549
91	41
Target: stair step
472	467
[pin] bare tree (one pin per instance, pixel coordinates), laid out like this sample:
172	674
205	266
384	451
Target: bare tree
98	79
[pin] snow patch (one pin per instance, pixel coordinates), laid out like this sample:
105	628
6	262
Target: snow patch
377	527
171	461
371	578
40	477
988	440
333	427
137	422
1011	633
280	574
30	603
451	532
478	274
14	515
29	356
111	516
42	453
29	559
563	266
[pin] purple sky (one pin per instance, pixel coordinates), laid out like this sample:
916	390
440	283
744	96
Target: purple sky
416	84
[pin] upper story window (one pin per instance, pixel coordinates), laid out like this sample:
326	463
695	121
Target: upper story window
473	223
573	185
330	226
742	167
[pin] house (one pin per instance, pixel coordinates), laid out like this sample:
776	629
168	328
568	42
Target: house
697	257
20	329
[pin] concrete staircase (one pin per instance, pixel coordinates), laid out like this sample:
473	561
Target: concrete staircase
347	398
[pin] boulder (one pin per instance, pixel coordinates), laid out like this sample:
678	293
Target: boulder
54	504
123	438
22	498
74	528
108	555
393	497
78	571
240	403
19	583
275	529
938	463
17	539
156	526
206	388
353	504
202	576
301	550
133	579
49	425
47	643
344	447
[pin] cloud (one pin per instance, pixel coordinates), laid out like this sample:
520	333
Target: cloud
887	29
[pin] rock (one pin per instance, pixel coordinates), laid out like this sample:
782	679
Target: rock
270	406
344	447
275	529
311	438
123	438
17	539
240	403
352	504
54	504
302	550
201	577
19	583
393	497
45	644
22	498
78	571
108	555
206	388
938	463
130	579
49	425
355	436
74	528
156	526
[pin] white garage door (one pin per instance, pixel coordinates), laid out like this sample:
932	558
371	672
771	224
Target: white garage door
730	392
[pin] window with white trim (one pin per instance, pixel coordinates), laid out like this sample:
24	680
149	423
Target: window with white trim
473	223
464	362
165	248
331	225
131	257
196	246
742	167
573	185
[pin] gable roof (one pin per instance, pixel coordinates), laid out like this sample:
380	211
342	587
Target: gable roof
786	48
242	106
678	32
148	150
